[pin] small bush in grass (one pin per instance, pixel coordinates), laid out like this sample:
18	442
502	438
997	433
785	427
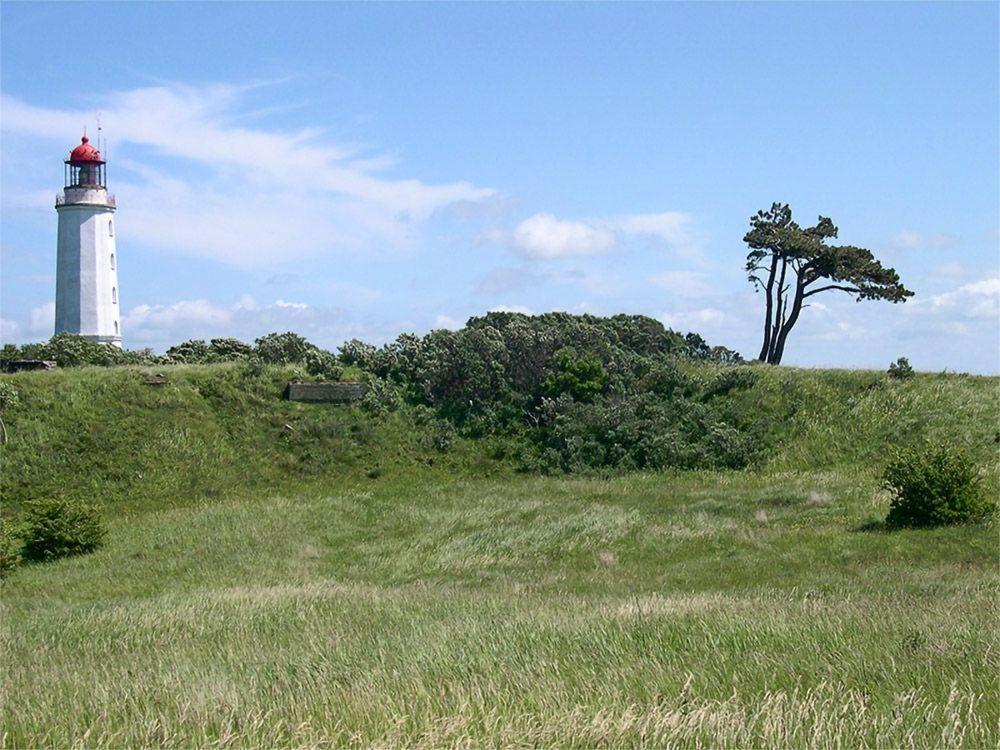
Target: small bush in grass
57	528
10	546
933	486
322	364
9	398
442	435
901	369
253	367
380	398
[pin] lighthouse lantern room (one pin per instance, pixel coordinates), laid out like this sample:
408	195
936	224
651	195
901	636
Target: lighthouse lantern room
86	263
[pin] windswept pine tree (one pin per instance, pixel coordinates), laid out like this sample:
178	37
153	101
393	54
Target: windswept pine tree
791	264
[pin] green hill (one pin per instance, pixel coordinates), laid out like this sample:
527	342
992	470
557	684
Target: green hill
280	574
103	434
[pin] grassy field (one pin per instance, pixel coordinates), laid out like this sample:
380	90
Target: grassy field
282	575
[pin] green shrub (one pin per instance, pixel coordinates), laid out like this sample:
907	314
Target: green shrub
697	348
192	352
933	486
901	369
8	400
8	396
71	350
380	398
10	546
282	348
253	367
357	352
57	528
642	431
583	378
228	350
442	435
322	364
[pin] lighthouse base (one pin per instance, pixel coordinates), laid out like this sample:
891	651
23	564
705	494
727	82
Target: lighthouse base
109	340
115	341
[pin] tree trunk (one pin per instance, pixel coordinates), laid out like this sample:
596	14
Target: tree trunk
779	314
769	309
786	328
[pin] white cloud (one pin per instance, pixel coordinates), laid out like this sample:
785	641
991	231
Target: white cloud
675	228
545	236
8	329
985	287
42	319
844	331
910	240
979	299
246	302
184	314
261	196
951	270
684	283
160	326
692	320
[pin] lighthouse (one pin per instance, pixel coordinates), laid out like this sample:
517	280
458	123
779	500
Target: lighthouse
86	261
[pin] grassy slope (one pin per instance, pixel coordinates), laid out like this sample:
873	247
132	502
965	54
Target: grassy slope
259	588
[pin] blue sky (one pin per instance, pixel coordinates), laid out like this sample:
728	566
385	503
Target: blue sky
363	170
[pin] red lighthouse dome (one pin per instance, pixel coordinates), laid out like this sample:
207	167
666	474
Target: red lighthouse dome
85	167
85	153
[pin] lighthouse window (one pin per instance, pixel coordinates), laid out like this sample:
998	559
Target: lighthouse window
112	261
116	328
111	228
114	296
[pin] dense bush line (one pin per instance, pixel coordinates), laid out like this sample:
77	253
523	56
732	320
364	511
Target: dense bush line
572	392
566	392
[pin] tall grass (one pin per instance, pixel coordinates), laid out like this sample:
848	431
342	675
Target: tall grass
261	586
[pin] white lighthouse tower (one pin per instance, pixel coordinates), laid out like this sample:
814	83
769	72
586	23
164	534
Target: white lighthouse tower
86	262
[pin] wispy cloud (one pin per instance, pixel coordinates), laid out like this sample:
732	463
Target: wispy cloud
544	236
261	195
8	329
704	318
162	325
42	319
910	240
688	284
674	228
448	322
980	299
